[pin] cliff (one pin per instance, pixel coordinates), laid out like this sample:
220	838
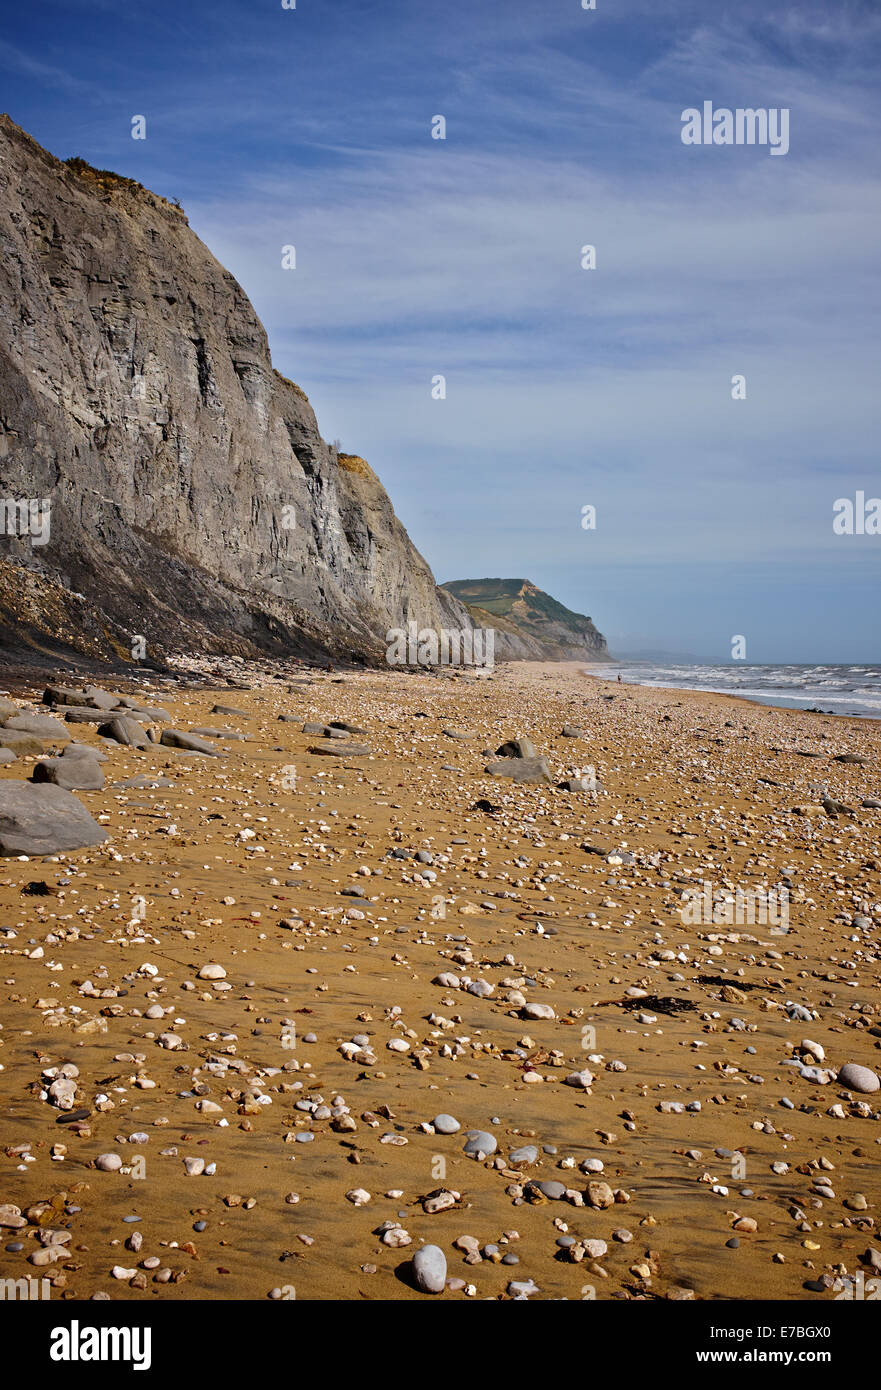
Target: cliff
528	622
192	499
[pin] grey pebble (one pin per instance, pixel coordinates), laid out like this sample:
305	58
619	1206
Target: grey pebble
857	1078
522	1288
528	1153
429	1266
477	1141
554	1190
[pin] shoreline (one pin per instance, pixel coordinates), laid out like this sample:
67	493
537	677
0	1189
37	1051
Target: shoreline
739	699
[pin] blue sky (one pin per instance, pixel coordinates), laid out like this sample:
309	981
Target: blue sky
416	257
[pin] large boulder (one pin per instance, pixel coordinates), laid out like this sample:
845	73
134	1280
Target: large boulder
21	743
580	784
100	699
521	769
334	748
143	780
76	774
42	726
83	750
517	748
206	731
63	695
84	714
125	730
178	738
44	820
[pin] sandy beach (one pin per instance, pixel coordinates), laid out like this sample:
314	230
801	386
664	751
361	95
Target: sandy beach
384	923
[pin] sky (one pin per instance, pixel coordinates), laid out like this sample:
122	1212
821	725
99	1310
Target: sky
565	387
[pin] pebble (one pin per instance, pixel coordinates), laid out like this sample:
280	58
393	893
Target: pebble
552	1189
539	1011
429	1267
480	1144
439	1201
212	972
858	1078
522	1288
583	1079
524	1156
108	1163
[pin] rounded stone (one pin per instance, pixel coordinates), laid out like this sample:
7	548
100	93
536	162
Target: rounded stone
538	1011
522	1288
108	1163
212	972
857	1078
553	1190
528	1153
445	1124
482	988
477	1141
430	1269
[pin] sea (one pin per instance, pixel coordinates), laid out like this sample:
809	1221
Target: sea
835	689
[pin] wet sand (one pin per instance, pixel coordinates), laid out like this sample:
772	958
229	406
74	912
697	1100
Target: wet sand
511	895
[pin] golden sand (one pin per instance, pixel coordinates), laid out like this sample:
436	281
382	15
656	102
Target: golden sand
680	773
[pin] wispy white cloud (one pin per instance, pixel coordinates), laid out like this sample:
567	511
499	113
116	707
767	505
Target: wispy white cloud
13	59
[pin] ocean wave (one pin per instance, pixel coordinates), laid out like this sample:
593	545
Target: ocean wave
841	688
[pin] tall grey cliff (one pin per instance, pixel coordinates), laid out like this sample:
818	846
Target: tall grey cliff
193	500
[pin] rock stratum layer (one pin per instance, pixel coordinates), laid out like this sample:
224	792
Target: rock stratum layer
193	500
529	624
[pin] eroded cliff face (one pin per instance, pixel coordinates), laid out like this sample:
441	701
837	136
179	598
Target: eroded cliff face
193	500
